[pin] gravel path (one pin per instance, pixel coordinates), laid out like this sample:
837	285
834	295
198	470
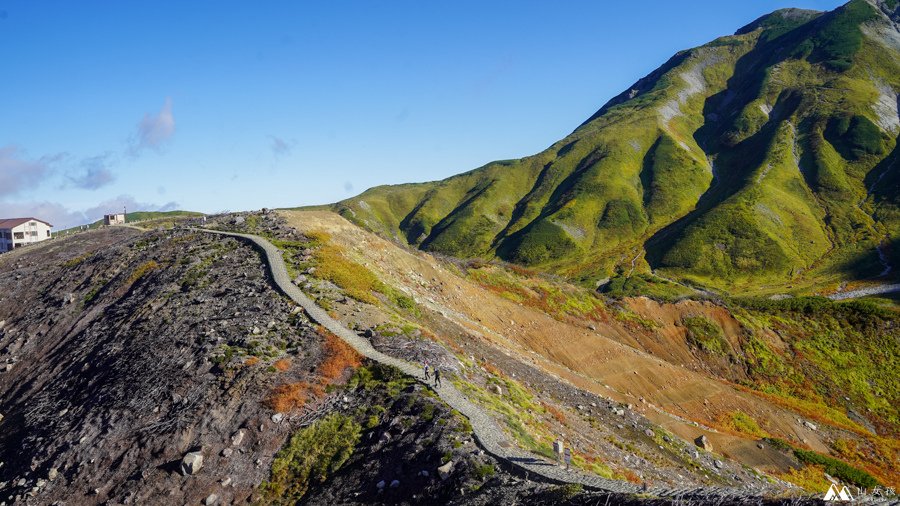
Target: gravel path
489	435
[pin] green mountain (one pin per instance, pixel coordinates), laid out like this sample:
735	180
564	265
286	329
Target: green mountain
762	160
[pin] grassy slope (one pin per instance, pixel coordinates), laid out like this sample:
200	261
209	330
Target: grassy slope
783	114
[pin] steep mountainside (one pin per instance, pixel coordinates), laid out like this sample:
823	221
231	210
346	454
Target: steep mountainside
761	159
121	352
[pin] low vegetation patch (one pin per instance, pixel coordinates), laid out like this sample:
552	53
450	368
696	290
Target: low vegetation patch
310	457
815	463
743	423
288	397
705	335
339	356
837	468
141	271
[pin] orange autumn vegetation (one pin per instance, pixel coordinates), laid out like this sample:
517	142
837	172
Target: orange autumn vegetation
288	397
338	357
555	412
251	361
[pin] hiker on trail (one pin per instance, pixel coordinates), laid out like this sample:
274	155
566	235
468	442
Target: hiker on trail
568	458
437	377
427	374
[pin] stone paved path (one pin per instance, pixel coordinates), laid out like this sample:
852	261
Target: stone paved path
489	435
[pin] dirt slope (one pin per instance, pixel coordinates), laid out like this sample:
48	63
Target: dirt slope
614	360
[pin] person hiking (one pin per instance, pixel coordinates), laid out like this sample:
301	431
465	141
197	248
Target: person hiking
568	458
427	374
437	377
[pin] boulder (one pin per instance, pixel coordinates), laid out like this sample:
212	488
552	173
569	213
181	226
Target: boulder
52	474
380	485
497	390
648	433
809	425
703	442
191	463
277	417
395	483
211	499
445	470
238	437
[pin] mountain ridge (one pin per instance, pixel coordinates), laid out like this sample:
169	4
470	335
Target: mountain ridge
750	161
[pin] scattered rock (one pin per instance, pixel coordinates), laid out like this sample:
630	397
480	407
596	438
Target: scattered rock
497	390
649	433
278	417
238	437
211	499
191	463
52	474
703	442
226	481
227	452
809	425
445	470
395	483
380	485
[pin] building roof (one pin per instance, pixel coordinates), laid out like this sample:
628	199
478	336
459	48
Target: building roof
15	222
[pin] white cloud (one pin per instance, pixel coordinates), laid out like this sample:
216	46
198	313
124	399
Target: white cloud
121	202
154	130
58	215
61	217
17	174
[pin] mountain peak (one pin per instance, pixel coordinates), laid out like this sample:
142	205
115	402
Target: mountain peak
763	158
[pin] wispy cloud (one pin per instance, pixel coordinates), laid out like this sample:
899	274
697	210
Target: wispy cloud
154	130
128	202
279	146
62	217
18	174
93	173
57	214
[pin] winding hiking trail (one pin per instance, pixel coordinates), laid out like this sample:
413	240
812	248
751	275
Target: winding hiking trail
489	435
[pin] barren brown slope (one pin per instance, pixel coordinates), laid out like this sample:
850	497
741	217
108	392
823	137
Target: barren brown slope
614	360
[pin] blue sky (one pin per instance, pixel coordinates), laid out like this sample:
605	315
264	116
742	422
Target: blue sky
211	106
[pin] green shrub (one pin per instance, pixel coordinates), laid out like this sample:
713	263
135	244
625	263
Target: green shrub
838	468
705	335
310	457
484	471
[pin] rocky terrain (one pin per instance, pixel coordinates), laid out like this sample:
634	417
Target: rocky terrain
142	367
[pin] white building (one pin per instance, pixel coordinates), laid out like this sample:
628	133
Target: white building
17	232
114	219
